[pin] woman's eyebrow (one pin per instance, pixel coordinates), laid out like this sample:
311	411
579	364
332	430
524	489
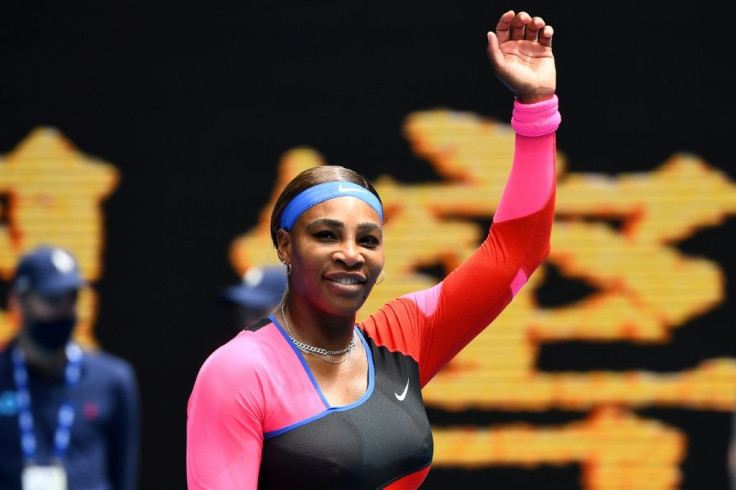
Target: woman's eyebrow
368	226
363	227
326	221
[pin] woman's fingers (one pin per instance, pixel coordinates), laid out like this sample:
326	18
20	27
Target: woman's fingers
518	26
545	36
533	28
521	26
503	28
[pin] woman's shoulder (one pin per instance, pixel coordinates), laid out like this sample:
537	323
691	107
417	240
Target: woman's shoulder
249	350
395	311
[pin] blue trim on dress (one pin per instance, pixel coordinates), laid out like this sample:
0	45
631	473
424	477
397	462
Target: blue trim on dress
301	359
329	409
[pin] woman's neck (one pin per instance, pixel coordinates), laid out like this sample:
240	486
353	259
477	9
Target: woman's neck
331	332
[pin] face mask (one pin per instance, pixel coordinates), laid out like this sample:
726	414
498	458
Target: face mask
51	335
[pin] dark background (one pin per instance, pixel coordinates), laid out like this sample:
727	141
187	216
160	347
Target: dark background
195	102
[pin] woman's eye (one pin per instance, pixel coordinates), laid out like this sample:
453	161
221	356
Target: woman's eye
324	235
371	241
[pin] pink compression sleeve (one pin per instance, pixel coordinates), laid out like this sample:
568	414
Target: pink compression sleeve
532	177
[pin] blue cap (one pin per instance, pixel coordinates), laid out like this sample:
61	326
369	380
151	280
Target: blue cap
47	270
261	287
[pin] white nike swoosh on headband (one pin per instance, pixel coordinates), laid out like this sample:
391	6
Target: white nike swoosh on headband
342	188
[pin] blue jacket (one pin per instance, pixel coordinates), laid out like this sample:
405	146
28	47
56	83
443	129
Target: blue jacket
103	451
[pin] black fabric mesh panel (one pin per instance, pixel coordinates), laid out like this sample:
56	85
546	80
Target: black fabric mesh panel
368	446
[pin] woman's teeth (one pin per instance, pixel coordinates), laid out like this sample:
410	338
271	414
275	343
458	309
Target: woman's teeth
346	281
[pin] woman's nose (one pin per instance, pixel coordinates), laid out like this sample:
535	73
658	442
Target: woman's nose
349	254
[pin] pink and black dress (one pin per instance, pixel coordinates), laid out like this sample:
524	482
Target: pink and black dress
256	416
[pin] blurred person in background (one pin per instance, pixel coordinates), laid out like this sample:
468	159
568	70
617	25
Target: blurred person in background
69	418
256	296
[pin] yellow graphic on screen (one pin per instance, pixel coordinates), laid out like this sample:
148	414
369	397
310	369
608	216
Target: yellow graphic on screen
53	194
644	287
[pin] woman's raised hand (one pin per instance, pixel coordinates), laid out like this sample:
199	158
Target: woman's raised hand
520	52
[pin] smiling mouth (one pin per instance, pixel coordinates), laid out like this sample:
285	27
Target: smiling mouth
346	280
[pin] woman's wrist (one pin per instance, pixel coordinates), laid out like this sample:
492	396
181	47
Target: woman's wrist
534	98
536	118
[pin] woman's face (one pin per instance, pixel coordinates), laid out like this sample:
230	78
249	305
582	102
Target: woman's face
336	253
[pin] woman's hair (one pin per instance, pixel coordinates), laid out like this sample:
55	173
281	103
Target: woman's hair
309	178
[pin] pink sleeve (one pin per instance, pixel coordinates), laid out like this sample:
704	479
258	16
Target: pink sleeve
533	172
224	428
453	312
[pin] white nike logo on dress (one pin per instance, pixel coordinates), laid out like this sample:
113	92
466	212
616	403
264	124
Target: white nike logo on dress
342	188
403	395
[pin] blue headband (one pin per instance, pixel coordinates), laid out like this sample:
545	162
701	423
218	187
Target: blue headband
324	192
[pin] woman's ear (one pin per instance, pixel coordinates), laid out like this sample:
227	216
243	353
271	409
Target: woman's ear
283	245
